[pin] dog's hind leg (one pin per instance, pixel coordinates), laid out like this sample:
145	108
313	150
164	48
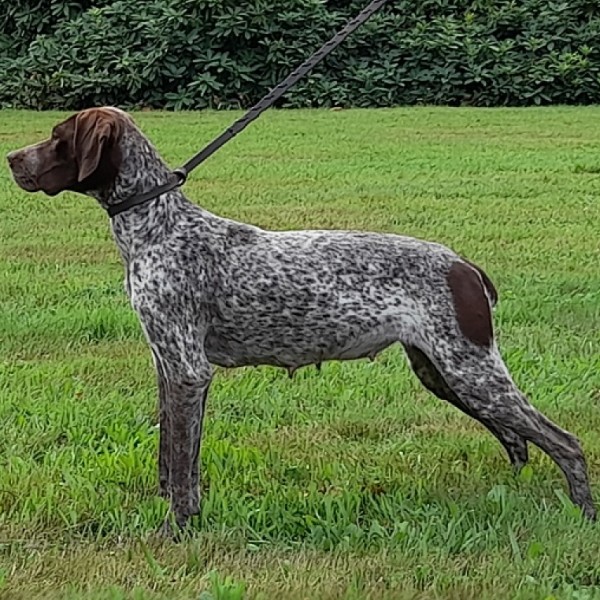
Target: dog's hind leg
481	382
430	377
458	341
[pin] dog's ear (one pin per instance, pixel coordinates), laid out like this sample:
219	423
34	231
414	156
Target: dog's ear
94	132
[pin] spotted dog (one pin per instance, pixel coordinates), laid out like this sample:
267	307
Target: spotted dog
212	291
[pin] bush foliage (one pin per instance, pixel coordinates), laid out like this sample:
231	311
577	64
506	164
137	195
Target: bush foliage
226	53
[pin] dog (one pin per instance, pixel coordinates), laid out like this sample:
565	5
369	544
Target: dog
212	291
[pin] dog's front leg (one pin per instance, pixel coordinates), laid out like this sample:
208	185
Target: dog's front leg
184	376
197	435
184	411
164	450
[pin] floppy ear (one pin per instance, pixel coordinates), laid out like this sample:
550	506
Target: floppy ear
93	132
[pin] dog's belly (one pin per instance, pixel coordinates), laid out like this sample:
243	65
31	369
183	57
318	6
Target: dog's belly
295	347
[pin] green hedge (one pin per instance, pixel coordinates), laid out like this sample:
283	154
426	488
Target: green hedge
228	53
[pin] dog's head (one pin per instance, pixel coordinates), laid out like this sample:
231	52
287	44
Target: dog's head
82	154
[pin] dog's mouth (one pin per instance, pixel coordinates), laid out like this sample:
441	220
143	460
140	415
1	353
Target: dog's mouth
25	181
22	172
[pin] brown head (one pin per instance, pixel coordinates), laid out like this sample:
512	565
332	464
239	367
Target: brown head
82	154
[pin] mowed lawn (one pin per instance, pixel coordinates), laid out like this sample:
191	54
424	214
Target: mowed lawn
349	483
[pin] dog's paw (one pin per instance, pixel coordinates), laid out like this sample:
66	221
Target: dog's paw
177	529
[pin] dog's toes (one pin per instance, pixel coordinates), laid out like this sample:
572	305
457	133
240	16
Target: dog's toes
173	532
176	529
589	511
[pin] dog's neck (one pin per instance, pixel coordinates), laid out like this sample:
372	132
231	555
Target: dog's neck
141	169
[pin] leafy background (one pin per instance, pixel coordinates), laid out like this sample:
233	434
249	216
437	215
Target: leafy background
192	54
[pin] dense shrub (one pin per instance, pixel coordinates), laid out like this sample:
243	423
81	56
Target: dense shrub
223	53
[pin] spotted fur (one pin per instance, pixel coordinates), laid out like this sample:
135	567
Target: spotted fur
212	291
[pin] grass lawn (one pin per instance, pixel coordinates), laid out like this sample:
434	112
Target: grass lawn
352	483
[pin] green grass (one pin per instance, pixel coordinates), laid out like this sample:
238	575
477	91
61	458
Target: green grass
351	483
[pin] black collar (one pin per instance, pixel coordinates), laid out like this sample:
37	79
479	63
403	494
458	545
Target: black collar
179	177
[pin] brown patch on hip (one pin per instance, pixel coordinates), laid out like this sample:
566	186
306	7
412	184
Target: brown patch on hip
489	286
471	303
